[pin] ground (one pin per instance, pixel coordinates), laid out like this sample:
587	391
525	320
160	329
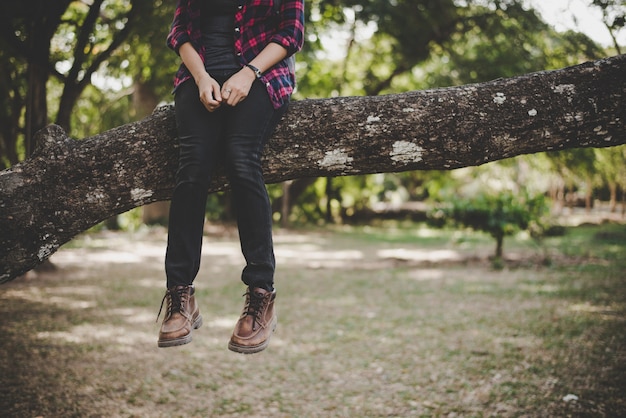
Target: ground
399	321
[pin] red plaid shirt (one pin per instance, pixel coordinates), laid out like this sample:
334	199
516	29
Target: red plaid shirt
255	27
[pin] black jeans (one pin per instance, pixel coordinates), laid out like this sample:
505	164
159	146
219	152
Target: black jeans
233	136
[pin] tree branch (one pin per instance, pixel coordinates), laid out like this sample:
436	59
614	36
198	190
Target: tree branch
70	185
84	34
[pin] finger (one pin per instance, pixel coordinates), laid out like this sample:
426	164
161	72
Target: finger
226	92
207	99
210	104
235	99
240	99
229	97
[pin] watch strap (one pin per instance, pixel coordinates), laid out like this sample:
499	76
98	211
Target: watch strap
257	72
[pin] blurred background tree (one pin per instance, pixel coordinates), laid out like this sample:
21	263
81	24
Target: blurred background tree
498	213
57	47
91	66
614	18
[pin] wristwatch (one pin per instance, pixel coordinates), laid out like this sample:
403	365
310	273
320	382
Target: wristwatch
257	72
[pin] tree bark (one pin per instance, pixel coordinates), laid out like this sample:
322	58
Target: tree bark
70	185
499	245
36	114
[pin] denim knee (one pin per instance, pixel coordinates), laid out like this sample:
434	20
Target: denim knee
193	174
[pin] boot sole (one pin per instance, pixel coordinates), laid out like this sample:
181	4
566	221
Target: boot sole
244	349
181	340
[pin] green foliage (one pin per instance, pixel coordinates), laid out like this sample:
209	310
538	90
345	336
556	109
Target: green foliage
611	165
498	214
373	41
72	44
504	42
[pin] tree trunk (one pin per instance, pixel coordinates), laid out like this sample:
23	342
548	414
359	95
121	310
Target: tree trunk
612	196
71	93
285	207
36	103
68	186
329	200
296	188
499	245
588	194
145	100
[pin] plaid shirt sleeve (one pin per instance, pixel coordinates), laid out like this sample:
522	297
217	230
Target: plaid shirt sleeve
290	33
256	25
179	30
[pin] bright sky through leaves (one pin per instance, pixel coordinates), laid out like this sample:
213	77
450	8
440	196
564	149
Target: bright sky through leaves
576	15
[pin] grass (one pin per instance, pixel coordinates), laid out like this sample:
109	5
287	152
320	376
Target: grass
390	321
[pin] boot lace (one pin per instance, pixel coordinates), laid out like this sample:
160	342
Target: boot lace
254	306
177	298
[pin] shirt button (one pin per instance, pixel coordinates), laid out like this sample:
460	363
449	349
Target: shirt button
236	29
240	7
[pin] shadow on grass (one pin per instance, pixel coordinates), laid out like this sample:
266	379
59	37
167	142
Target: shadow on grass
372	322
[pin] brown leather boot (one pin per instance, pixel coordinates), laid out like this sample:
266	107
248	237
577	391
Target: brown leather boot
181	317
256	324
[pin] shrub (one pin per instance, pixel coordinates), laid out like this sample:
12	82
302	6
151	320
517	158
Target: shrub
498	214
